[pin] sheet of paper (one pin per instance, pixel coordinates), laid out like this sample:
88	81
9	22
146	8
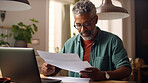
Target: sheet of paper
65	61
72	79
70	65
58	56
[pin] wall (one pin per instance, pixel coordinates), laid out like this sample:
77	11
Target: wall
38	12
129	28
141	16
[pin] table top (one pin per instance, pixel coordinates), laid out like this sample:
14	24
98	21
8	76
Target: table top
113	81
108	81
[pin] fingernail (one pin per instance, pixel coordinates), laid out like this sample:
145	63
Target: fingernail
89	71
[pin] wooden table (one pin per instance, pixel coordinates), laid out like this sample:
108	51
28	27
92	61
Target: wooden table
113	81
109	81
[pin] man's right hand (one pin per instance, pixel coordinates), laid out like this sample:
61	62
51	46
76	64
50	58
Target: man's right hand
47	69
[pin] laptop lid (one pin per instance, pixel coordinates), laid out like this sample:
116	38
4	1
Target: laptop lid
19	64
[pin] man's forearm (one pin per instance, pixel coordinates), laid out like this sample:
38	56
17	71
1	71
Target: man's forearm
120	73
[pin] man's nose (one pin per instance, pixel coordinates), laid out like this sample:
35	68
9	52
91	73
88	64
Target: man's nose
83	28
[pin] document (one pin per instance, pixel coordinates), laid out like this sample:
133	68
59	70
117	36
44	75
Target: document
67	61
72	79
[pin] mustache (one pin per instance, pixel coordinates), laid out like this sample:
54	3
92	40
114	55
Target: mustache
86	32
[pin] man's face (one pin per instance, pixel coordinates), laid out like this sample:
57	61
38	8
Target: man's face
85	24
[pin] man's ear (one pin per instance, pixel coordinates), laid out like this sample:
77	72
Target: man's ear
96	19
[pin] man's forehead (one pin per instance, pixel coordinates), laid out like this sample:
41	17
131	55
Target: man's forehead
82	17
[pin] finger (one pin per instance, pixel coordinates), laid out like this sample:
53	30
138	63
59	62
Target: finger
89	68
50	67
43	68
92	69
86	72
45	64
44	72
83	73
48	71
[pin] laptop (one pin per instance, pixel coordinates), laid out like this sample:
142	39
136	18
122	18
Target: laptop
20	65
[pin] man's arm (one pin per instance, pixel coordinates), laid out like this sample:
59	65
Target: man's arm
95	74
120	73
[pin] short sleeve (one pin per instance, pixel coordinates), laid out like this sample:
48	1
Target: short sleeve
119	53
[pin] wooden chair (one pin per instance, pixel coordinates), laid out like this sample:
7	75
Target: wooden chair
140	70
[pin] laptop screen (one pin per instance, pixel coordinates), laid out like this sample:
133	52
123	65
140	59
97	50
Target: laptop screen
19	64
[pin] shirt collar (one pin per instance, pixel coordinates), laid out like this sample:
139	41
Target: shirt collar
98	34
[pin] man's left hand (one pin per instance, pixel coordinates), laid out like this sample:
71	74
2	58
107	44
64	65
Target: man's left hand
93	73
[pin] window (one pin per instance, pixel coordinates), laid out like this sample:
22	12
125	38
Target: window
55	25
51	26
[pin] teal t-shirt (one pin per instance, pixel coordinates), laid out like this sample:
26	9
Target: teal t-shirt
107	51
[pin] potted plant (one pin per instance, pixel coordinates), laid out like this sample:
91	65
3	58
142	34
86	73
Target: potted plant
3	39
23	33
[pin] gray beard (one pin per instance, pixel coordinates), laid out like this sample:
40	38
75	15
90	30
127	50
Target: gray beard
89	37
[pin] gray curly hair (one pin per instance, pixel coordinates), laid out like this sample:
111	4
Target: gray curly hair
84	6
